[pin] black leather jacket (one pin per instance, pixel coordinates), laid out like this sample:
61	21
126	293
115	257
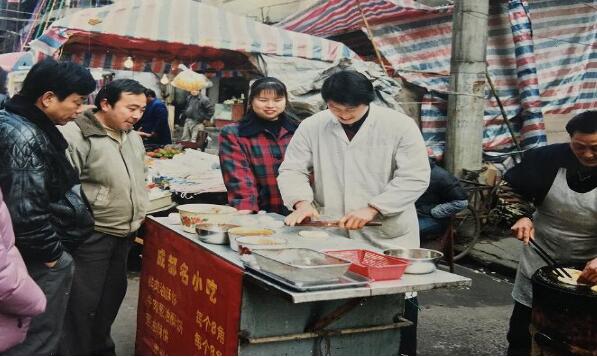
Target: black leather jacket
35	177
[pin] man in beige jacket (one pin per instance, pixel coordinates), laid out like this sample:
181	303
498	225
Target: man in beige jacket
109	157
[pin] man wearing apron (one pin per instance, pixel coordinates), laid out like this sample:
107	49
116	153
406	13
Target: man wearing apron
561	180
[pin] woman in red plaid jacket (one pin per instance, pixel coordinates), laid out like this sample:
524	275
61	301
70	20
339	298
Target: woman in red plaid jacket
252	150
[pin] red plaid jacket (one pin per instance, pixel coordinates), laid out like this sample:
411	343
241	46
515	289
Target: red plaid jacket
250	156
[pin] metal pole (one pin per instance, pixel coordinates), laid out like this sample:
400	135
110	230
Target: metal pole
370	35
467	86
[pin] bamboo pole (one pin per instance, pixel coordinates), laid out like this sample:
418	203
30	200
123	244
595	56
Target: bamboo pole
499	102
370	35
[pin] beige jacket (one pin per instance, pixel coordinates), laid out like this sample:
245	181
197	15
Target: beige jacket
384	166
112	175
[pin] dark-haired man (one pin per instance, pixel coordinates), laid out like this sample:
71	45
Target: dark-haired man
36	177
153	126
108	155
368	162
561	180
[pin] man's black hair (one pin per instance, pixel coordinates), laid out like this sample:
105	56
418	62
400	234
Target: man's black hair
112	91
585	123
61	78
348	88
150	93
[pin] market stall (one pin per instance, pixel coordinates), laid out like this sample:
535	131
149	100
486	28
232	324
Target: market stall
161	34
199	298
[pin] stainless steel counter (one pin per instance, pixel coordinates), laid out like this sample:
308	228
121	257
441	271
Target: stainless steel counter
407	283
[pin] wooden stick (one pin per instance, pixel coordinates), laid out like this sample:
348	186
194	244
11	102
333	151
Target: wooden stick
499	102
370	35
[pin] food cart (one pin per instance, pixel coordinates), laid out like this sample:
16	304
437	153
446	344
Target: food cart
198	298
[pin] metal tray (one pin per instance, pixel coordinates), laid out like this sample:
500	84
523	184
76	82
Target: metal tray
300	264
348	280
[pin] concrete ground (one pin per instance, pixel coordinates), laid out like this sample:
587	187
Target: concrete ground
459	322
451	321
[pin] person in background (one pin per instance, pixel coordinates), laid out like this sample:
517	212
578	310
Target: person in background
37	181
20	297
561	180
108	155
252	150
199	109
153	125
444	197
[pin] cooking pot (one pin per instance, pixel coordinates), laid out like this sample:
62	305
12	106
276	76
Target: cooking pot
564	317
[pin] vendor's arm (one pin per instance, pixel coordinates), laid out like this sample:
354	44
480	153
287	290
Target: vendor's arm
411	176
236	170
293	175
589	273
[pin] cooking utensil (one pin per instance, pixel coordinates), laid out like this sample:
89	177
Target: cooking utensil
300	264
214	233
566	313
348	280
422	261
260	242
193	214
550	262
245	231
332	224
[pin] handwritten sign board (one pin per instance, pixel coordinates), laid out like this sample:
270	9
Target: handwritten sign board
189	298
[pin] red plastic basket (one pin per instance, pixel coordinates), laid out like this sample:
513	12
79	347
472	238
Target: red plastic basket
371	264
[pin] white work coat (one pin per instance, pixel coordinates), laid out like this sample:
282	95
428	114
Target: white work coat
385	166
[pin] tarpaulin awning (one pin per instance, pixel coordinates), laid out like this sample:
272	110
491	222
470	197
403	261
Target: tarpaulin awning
541	57
331	17
13	60
182	30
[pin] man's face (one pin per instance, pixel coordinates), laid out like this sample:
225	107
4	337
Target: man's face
125	112
61	112
584	146
347	114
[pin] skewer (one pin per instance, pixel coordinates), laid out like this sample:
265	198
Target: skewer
543	254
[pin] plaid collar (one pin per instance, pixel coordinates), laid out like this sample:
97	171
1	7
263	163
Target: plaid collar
251	125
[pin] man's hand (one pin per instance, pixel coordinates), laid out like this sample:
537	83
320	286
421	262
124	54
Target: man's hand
303	210
589	273
143	134
51	264
524	230
357	219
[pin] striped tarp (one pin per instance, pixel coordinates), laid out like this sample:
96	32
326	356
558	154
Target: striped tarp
182	28
557	38
332	17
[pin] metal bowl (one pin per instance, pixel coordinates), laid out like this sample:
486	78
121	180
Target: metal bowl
214	233
422	261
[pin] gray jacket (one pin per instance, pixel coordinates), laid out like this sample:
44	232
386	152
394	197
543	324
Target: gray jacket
199	107
112	175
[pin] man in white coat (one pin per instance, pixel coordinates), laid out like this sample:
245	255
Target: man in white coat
368	162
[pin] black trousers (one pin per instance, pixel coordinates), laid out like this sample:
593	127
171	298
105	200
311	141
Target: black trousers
99	286
408	335
519	337
44	333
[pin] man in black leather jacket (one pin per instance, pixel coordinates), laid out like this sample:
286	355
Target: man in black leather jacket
39	187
